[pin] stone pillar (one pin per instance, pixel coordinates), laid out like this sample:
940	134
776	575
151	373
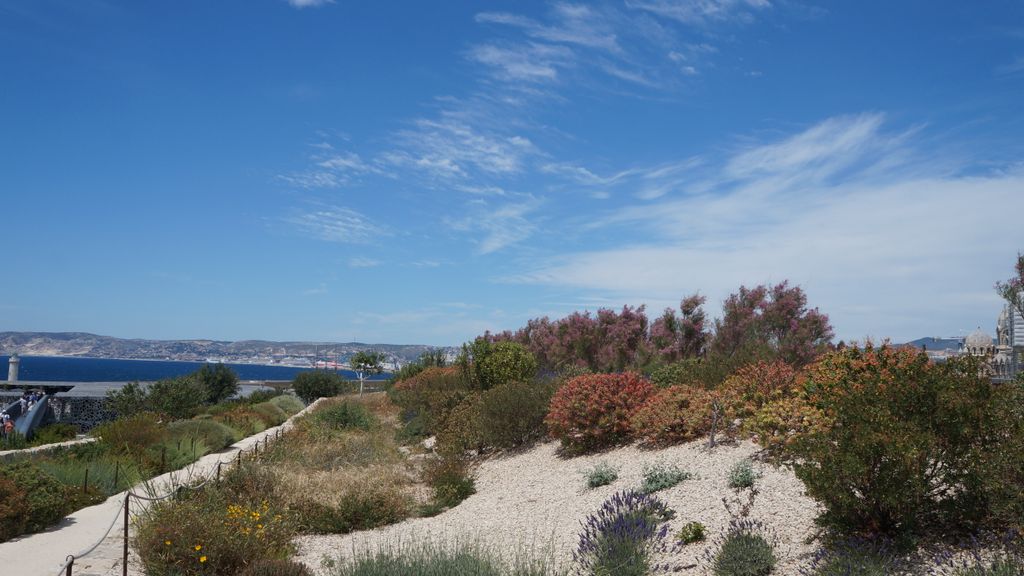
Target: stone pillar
12	368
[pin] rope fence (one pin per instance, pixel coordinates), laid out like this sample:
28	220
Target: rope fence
124	508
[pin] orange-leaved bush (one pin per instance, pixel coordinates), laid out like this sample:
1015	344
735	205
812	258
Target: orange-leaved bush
594	410
757	384
678	414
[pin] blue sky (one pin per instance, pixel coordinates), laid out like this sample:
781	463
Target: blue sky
416	172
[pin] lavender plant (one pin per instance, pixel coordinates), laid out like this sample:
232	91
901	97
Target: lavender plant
856	557
622	537
986	556
746	548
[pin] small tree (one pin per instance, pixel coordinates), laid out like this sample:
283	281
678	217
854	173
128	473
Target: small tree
317	384
179	398
365	363
487	364
1013	289
128	400
220	382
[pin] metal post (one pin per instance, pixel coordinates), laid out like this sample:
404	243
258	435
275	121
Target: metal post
124	559
71	562
85	483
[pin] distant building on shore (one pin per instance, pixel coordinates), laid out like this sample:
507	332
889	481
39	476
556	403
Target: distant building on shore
1004	354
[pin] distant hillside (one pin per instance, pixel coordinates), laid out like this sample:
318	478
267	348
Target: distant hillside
96	346
934	344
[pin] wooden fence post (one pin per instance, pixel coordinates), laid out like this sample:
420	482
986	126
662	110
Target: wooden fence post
124	558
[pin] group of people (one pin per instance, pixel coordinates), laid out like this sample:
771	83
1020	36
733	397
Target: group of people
26	402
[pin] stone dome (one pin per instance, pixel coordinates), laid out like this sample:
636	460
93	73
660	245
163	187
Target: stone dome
977	340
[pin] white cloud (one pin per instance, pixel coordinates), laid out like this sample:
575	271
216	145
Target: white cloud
701	11
448	148
309	3
500	226
530	62
884	248
574	24
335	224
318	291
362	262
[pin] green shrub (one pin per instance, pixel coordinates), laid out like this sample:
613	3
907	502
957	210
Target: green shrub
289	404
742	474
462	430
512	413
261	395
744	551
132	435
14	508
243	419
317	384
345	415
428	398
57	432
486	365
450	480
45	502
661	476
856	557
691	532
360	508
127	400
601	474
271	414
206	533
907	444
178	398
275	567
214	435
218	381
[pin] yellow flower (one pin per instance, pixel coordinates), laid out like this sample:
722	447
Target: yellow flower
167	542
199	547
202	559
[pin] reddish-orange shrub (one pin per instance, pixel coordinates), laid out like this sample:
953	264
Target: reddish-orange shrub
594	410
672	415
682	413
757	384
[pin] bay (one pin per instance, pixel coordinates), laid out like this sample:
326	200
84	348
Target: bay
76	369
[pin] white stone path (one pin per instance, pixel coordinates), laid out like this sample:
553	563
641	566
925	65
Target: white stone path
44	553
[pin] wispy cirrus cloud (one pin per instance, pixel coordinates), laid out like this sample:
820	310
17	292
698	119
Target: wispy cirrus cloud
330	169
702	11
363	262
309	3
576	24
450	148
500	225
335	224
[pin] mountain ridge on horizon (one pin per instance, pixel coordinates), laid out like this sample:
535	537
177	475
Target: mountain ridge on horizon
86	344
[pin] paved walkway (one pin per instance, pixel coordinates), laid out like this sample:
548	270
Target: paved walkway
44	553
45	447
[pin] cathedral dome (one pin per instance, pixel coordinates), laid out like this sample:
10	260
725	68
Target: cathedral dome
977	340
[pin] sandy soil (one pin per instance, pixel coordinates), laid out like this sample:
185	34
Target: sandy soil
533	503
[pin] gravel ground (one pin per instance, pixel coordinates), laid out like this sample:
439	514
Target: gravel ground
533	502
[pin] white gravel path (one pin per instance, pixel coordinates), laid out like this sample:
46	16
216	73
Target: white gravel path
535	501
